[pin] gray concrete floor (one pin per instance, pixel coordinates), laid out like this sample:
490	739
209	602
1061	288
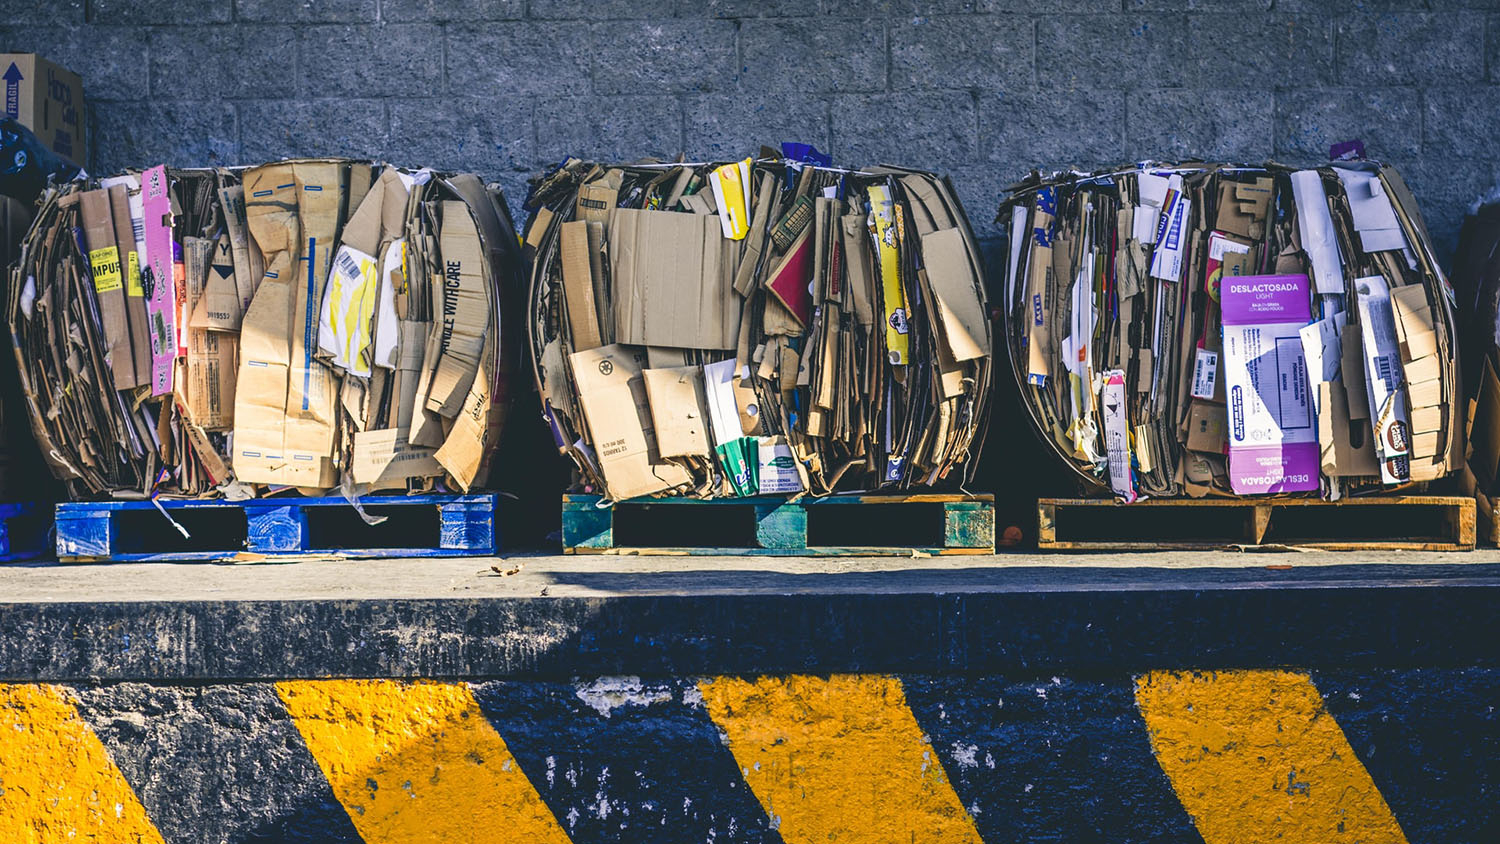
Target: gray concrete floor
607	575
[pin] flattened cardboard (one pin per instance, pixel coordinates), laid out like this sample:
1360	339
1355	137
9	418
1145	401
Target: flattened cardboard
960	310
1208	427
108	282
788	280
597	200
130	236
384	460
1243	206
613	394
247	272
284	401
212	358
220	309
673	284
579	286
676	399
465	313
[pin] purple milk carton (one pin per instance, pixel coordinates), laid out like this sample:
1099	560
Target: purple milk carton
1273	432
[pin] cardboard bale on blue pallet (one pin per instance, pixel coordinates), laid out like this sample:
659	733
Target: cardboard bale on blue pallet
1210	329
768	326
315	325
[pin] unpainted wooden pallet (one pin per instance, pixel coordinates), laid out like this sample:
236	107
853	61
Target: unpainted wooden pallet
1065	524
459	525
590	525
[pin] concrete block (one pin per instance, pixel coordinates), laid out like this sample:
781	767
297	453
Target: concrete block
888	9
458	11
1257	51
597	10
341	61
160	11
934	130
663	56
609	128
463	133
1112	51
306	11
227	62
272	129
732	126
109	58
62	12
1166	124
992	52
1410	49
1459	123
508	59
750	9
799	57
1308	122
1346	7
184	134
1020	132
1197	5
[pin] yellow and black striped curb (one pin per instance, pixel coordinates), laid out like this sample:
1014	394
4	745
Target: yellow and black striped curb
1219	757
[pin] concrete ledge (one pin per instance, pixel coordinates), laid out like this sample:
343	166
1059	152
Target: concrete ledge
655	703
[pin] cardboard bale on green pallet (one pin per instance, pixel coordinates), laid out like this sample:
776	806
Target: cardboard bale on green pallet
1217	330
310	324
770	326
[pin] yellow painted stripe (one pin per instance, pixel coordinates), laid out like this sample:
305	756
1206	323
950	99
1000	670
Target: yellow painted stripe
1254	756
57	782
838	759
417	762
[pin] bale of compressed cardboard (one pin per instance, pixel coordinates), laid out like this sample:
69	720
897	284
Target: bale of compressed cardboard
317	324
767	326
1226	330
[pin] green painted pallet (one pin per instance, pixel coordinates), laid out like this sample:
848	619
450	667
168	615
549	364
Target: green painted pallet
832	526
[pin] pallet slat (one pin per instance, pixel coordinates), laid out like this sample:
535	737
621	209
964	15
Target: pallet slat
459	525
1408	522
941	524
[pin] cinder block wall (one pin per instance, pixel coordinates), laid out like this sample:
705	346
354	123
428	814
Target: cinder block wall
987	89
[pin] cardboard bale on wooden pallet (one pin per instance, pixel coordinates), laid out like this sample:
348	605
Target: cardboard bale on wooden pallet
1305	308
311	324
784	326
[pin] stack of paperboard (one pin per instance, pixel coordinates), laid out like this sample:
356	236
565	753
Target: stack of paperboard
1213	329
765	326
310	324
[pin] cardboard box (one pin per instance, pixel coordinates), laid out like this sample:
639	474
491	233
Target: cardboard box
48	100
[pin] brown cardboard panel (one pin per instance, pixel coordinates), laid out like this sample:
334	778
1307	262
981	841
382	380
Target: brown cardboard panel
676	399
612	391
579	286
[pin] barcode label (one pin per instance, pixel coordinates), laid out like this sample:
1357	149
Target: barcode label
1385	371
348	266
1205	374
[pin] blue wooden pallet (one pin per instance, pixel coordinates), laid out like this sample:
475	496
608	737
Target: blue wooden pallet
419	526
24	529
774	526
